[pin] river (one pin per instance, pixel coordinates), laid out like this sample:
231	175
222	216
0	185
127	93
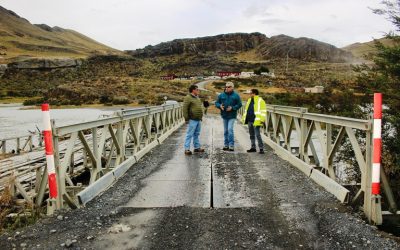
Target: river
15	121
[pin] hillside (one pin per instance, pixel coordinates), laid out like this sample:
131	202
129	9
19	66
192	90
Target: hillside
302	48
66	67
19	38
364	50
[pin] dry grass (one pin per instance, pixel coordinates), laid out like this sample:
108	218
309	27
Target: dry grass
6	205
250	56
273	90
361	50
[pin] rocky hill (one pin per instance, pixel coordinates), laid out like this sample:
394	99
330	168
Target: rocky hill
19	37
225	43
305	49
265	48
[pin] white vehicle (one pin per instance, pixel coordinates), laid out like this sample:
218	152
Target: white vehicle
168	102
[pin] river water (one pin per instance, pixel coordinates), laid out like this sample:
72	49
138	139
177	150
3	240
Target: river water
15	121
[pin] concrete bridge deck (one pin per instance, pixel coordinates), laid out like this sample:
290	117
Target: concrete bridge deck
213	200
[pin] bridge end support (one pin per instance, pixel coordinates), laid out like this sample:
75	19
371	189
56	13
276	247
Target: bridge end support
375	217
51	206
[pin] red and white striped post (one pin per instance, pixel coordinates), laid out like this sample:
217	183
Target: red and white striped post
376	163
48	144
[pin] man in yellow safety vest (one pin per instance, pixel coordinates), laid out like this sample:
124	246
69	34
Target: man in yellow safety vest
254	115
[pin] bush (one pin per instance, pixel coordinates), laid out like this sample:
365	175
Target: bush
105	99
35	101
142	101
13	93
120	100
219	85
260	70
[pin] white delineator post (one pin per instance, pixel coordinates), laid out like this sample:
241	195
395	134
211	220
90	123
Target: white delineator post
376	164
48	144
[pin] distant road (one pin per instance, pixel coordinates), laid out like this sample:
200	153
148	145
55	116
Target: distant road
202	86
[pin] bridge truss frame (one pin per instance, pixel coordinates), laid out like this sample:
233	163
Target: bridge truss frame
106	147
283	123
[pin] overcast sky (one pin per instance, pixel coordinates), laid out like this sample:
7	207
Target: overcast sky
132	24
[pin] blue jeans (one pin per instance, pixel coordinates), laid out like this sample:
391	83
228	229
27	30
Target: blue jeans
229	139
193	131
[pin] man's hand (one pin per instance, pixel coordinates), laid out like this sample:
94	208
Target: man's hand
222	107
229	108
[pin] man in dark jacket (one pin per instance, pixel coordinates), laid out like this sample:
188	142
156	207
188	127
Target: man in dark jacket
229	103
193	114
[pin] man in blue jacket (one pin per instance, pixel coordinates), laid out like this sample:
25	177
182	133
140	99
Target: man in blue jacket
229	103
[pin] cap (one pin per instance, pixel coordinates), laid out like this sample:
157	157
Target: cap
229	84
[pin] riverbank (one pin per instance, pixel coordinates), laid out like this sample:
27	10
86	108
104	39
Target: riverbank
17	103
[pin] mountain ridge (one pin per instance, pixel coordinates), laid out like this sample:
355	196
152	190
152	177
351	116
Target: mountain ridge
19	37
266	48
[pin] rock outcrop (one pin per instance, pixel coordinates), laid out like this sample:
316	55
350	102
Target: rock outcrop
226	43
50	29
303	49
36	63
3	68
267	48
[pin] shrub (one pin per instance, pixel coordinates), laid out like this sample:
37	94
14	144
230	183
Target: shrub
120	100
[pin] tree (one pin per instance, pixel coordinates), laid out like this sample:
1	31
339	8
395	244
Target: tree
384	77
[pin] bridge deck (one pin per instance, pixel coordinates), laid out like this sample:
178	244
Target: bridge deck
214	200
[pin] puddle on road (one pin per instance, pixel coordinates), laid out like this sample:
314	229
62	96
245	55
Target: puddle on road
129	232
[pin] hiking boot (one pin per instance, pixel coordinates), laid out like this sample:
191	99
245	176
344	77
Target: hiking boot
251	150
261	151
199	150
225	148
188	152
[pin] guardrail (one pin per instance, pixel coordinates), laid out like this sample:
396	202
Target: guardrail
312	142
19	144
106	148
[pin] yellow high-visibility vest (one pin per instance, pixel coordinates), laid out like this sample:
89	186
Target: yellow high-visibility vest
260	111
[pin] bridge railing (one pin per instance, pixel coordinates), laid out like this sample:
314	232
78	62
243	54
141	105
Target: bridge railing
314	142
20	144
105	148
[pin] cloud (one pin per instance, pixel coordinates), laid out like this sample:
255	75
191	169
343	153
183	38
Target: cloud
255	10
125	24
275	21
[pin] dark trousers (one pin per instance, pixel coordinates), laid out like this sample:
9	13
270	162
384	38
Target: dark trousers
254	132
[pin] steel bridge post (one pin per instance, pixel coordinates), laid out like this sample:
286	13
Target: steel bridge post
303	148
60	179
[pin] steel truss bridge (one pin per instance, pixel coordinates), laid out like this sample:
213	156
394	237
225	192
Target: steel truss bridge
106	148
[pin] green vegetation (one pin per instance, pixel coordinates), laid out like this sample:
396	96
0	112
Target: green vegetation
260	70
333	102
384	77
